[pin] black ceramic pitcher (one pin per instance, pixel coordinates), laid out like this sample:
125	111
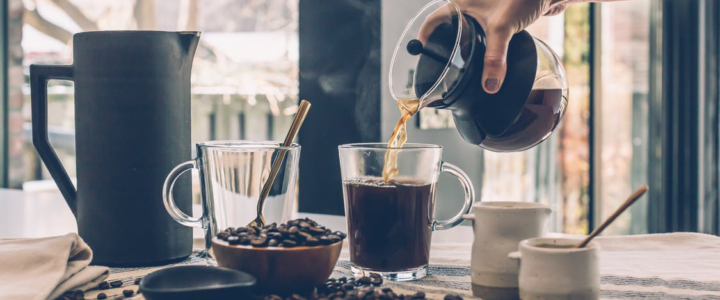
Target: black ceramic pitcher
132	126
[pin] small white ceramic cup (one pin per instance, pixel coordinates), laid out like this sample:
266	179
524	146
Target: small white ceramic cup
550	269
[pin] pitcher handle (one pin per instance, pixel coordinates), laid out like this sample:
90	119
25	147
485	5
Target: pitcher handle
172	209
469	197
39	76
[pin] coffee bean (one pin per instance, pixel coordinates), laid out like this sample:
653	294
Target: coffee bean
230	229
272	243
312	241
316	231
334	238
364	280
375	275
452	297
259	242
293	230
223	235
304	235
104	285
289	243
77	295
137	280
325	240
116	284
233	240
128	293
419	295
376	281
101	296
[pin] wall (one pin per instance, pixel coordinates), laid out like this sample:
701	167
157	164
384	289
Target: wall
395	15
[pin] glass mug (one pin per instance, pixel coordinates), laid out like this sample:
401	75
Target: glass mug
390	223
232	175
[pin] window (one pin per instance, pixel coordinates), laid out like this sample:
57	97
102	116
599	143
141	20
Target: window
244	80
626	86
623	102
558	172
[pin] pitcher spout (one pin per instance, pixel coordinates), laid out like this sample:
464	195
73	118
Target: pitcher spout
189	41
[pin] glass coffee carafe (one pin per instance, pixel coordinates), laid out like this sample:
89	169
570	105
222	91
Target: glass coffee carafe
439	61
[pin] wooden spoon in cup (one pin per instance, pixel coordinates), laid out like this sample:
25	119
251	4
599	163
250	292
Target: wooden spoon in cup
636	195
277	163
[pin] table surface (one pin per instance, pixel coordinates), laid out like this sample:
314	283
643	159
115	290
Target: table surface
44	214
677	266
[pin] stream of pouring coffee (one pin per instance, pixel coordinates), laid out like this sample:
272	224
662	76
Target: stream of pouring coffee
408	108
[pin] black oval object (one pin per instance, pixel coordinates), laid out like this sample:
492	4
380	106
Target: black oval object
196	282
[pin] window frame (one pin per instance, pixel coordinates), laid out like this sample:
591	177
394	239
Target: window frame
4	92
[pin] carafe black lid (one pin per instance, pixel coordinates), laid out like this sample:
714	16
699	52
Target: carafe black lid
439	60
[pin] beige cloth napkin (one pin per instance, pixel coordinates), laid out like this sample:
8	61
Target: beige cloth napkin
45	268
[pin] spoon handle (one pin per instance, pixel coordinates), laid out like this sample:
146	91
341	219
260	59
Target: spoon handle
294	128
630	200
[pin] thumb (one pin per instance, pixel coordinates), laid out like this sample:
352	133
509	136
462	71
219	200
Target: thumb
495	59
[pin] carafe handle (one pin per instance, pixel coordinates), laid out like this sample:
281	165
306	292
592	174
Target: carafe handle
469	197
39	76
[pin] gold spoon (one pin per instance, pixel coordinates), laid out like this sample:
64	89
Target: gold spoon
277	163
630	200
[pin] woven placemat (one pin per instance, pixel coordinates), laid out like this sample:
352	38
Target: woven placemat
455	279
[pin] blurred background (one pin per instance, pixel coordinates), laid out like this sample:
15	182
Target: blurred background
643	99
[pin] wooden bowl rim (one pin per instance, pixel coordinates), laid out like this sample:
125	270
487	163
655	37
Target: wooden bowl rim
222	243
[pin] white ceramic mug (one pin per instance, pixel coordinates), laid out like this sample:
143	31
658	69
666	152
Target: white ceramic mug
549	273
499	227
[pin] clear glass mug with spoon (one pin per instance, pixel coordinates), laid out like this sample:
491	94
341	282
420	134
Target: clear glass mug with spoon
232	175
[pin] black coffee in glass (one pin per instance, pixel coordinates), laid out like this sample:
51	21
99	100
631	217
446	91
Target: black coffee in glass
390	223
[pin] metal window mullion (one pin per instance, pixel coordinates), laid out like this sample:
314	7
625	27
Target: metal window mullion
4	87
594	203
655	119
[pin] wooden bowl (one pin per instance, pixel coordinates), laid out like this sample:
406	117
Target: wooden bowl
278	268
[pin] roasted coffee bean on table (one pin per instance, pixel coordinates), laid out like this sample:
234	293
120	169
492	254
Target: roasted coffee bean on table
300	232
116	284
128	293
354	289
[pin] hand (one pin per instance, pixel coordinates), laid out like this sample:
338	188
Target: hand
500	19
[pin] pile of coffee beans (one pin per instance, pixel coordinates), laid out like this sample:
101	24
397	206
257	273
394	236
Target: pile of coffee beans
300	232
354	289
79	295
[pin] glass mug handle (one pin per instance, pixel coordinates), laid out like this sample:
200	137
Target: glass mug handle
169	202
469	197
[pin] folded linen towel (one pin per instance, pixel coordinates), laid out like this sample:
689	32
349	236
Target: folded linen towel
45	268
